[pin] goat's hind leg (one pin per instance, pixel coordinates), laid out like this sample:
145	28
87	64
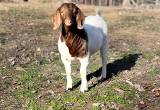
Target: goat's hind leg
67	65
104	56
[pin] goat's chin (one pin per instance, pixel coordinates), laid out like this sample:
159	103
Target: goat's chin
68	25
80	27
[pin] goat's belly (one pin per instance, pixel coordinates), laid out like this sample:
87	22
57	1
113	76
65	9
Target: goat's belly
94	44
95	39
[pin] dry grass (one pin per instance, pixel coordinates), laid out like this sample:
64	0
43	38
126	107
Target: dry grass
32	75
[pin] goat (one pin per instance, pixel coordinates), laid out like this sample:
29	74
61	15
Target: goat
80	37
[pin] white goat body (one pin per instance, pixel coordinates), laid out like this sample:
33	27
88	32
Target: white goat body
96	30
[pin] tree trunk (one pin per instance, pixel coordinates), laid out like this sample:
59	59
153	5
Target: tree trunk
157	2
126	3
85	1
92	2
134	3
110	2
106	2
100	3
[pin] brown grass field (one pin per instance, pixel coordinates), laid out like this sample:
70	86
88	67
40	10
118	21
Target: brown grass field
32	76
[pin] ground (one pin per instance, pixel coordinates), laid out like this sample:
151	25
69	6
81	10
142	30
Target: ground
32	76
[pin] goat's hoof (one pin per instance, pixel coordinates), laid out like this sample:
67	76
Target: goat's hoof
68	89
102	77
83	90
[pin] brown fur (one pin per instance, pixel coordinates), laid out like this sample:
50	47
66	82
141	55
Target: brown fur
71	18
76	41
68	12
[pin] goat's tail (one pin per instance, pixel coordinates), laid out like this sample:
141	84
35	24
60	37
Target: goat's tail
98	12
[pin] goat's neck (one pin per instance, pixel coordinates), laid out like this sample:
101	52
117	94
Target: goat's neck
69	30
76	40
73	31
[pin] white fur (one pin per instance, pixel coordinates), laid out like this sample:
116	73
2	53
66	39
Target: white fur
96	30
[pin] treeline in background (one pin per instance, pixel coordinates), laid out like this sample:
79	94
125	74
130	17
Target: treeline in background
121	3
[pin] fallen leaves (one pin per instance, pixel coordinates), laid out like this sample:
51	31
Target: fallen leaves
18	68
120	91
11	60
141	106
96	104
156	92
46	93
70	104
136	86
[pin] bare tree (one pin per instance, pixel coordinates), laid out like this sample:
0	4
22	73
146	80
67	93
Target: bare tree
100	2
126	3
92	2
85	1
157	2
110	2
134	3
129	3
105	2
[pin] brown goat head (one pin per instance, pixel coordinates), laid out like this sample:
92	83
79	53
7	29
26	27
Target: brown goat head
68	14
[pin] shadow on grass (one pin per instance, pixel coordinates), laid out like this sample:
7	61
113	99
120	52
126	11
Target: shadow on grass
113	69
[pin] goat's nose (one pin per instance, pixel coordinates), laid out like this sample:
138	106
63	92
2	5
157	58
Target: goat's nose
68	22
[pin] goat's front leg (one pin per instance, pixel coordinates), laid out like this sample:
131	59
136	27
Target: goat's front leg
67	65
83	72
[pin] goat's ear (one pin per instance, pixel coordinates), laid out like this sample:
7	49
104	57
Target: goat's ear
56	19
80	19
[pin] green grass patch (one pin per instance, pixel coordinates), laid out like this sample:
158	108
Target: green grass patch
151	76
29	74
157	52
107	94
72	100
78	98
3	70
154	71
57	105
147	55
23	93
96	108
32	104
27	96
94	67
30	81
110	95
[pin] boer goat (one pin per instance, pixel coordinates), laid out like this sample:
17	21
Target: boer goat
80	37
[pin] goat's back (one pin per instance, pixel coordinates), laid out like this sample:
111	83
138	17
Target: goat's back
96	21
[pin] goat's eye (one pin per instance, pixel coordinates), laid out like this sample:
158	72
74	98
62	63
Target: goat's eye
62	13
